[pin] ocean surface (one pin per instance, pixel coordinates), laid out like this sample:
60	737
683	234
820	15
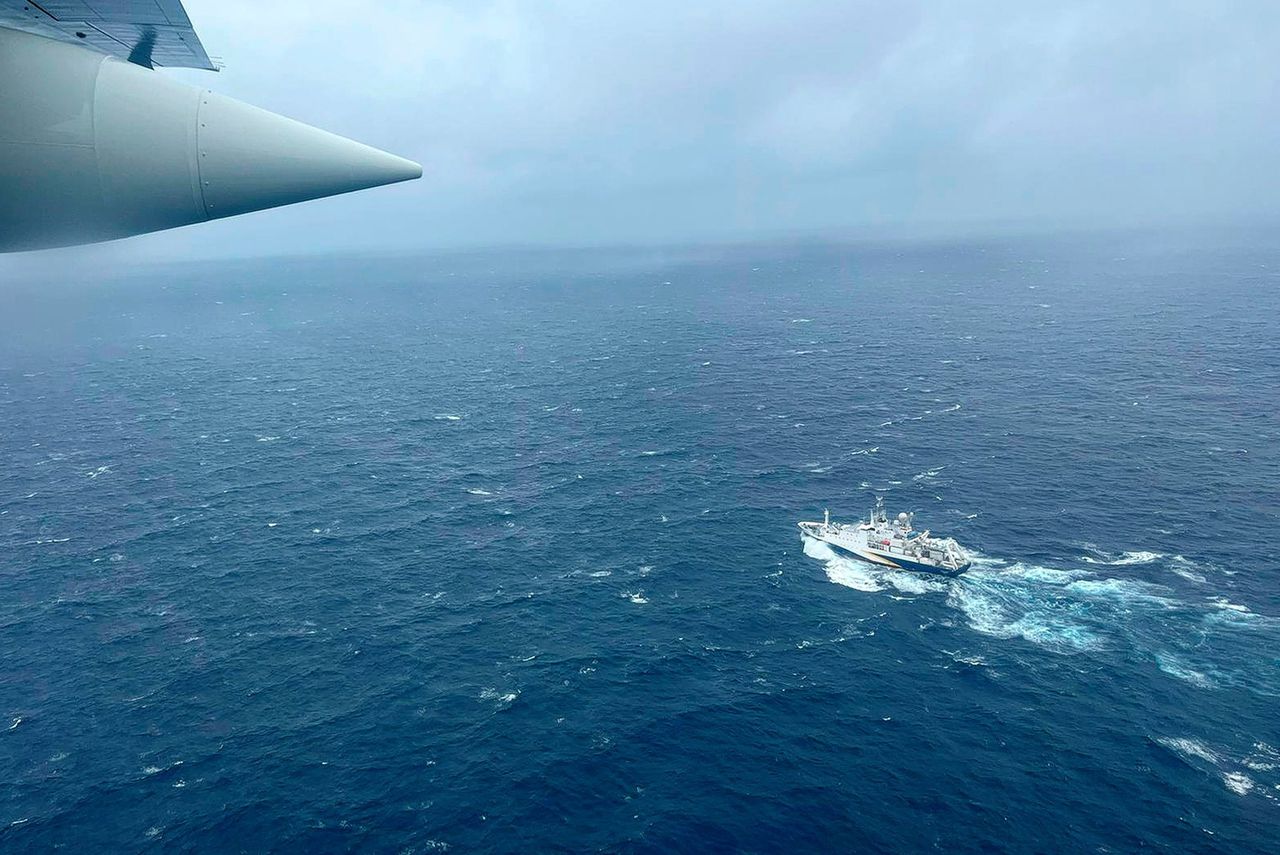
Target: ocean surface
498	552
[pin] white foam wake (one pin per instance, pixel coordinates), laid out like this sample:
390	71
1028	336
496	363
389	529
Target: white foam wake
1121	560
1208	643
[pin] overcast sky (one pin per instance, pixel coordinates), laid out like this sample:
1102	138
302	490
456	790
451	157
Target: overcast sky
587	122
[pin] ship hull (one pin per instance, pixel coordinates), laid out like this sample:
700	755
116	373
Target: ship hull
893	562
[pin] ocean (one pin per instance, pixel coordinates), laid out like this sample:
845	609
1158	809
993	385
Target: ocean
497	552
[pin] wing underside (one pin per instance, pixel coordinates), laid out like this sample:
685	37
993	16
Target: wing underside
146	32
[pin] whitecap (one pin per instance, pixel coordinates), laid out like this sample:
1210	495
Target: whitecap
1180	566
1175	667
1229	767
1237	782
1142	557
1189	748
1123	559
501	700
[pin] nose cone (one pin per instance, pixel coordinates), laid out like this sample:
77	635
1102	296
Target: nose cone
250	159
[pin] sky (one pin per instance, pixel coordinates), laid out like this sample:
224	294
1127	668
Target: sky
586	123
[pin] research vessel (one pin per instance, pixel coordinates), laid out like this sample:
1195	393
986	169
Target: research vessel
890	543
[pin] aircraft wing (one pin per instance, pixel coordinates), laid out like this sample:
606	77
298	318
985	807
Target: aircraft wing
95	145
144	32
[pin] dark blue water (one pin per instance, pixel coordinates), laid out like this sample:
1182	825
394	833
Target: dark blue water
498	553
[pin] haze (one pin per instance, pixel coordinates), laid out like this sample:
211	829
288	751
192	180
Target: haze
576	123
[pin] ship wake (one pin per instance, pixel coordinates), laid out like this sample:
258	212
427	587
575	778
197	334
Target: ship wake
1204	640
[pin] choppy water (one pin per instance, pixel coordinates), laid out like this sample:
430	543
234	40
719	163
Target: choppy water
499	553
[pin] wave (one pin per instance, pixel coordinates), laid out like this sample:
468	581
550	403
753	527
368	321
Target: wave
1122	560
1180	566
1176	667
1241	772
501	700
155	770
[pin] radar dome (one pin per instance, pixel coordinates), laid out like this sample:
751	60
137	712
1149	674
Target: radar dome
902	517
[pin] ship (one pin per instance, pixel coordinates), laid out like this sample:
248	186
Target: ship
893	544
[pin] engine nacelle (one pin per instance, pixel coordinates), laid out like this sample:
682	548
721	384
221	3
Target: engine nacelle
94	148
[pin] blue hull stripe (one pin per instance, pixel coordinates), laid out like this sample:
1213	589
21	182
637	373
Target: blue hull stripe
900	562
